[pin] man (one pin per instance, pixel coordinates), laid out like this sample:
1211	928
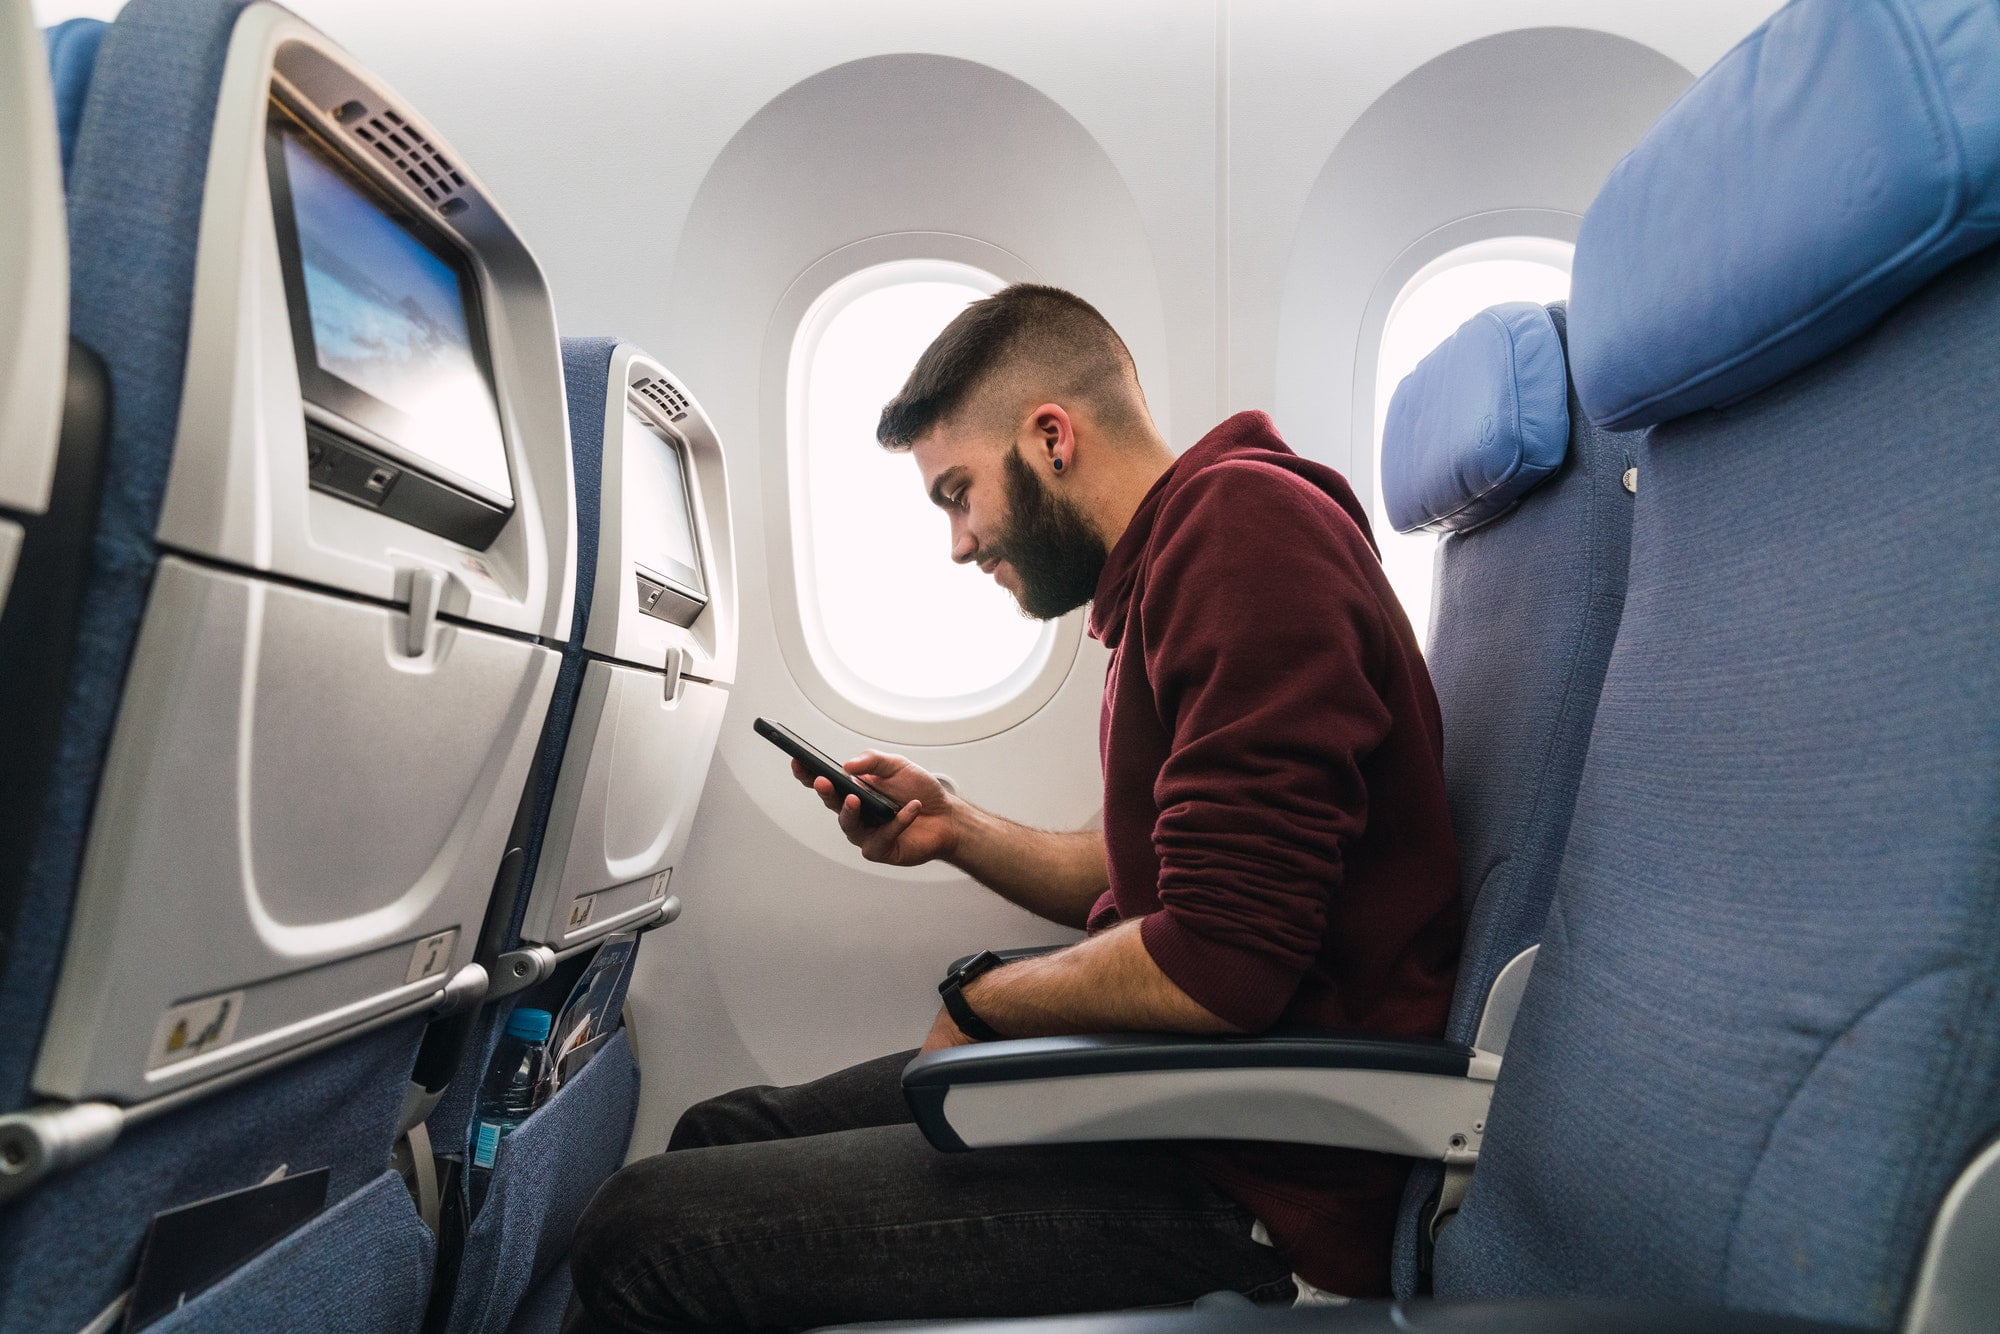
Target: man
1275	850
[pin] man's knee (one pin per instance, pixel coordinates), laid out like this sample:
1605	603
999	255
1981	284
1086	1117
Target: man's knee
728	1118
626	1222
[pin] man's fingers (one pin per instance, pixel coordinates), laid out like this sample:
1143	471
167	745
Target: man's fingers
828	797
850	820
876	763
883	838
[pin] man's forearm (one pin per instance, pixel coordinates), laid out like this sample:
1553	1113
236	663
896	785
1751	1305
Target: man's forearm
1053	875
1107	984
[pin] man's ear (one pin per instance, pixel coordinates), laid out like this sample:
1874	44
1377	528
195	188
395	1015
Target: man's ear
1054	437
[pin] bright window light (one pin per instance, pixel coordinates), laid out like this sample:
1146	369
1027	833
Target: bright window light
891	622
1443	295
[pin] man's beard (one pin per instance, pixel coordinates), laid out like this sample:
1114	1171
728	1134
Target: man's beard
1055	552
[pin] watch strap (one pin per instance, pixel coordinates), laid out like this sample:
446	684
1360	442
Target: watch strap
968	1020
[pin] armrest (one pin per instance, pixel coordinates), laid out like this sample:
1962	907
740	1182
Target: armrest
1422	1099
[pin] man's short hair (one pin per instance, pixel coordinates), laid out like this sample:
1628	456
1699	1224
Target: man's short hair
1053	341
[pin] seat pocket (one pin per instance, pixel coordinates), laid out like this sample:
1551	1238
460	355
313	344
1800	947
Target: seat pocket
361	1267
545	1173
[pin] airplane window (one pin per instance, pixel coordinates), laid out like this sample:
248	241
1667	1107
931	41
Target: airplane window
890	621
1443	295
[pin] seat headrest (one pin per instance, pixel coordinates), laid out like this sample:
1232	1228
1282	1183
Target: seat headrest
1834	161
1479	423
72	50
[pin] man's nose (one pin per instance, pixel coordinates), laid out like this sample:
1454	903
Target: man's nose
963	546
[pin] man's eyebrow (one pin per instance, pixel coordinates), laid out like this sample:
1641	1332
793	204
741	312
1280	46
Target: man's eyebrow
945	478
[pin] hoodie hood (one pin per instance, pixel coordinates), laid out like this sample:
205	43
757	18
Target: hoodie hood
1247	435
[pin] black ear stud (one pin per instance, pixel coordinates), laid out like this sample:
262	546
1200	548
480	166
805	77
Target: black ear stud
1058	463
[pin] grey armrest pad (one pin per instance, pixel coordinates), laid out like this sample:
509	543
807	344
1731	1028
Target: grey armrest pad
1419	1098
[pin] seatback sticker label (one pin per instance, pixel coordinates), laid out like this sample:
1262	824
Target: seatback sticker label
194	1028
431	957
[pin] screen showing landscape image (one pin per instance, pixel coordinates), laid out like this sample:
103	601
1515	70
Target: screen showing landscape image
388	317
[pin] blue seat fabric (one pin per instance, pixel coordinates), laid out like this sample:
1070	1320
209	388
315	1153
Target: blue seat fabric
1823	170
1763	1034
68	1246
363	1265
72	49
1527	609
545	1174
1479	423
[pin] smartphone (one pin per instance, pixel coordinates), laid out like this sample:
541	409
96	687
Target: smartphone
875	808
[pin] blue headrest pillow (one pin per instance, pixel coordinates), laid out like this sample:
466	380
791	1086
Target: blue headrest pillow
1479	423
1824	169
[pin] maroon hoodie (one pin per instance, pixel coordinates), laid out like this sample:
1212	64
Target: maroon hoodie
1274	798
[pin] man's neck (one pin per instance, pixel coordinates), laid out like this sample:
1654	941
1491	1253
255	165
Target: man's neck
1131	469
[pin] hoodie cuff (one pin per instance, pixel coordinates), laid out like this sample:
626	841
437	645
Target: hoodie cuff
1237	986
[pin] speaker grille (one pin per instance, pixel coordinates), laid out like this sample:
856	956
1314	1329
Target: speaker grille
665	397
403	148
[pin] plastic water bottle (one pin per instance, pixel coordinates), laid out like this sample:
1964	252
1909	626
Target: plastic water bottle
515	1082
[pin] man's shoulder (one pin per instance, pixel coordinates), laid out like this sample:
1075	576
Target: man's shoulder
1248	497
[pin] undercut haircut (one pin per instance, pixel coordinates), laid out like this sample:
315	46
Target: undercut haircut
1051	343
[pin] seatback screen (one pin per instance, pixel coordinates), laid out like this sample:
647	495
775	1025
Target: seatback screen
389	335
659	532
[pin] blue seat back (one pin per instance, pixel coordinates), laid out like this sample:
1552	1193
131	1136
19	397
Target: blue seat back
562	1157
135	102
151	83
1530	582
1763	1033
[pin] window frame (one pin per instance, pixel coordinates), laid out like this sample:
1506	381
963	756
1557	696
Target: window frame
819	293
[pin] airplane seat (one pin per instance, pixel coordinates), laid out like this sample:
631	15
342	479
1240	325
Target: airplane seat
622	762
309	675
1759	1046
52	405
1753	1076
1486	444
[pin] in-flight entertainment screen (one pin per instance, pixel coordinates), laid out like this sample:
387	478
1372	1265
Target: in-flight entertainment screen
658	513
393	324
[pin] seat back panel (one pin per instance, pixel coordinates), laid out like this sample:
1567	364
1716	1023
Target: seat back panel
1763	1032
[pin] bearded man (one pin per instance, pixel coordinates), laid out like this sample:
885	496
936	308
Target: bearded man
1275	850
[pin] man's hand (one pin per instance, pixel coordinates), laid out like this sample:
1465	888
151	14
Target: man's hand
926	827
944	1033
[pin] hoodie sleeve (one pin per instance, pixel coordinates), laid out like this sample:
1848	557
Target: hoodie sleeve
1263	615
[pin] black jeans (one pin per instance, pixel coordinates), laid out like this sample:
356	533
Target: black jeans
778	1208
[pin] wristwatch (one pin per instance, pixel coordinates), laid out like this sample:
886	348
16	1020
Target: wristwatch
960	1009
